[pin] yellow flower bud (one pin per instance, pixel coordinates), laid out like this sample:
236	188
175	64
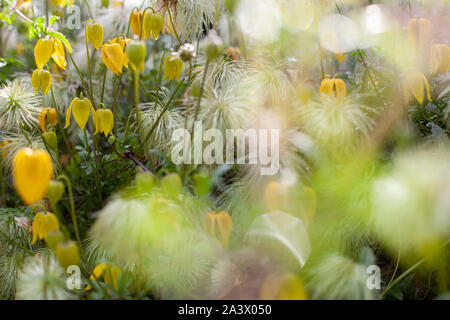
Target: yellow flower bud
95	35
123	43
439	58
340	57
47	115
53	238
55	191
153	25
333	87
44	223
109	273
415	83
61	3
43	51
219	226
81	110
67	254
51	140
418	31
135	23
136	52
32	172
105	121
283	287
173	66
41	79
113	57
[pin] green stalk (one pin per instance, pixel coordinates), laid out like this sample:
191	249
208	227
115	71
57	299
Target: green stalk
89	9
66	142
173	26
87	53
97	182
200	95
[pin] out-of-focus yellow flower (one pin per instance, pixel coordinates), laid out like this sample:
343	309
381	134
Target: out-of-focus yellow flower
61	3
333	87
19	48
105	121
67	254
415	83
340	57
439	58
109	273
43	223
418	31
283	287
136	52
23	4
173	66
153	25
47	115
117	3
95	35
50	48
113	57
4	148
41	79
123	43
276	194
81	110
136	23
219	226
32	172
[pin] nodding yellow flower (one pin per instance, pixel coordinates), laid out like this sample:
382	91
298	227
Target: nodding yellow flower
418	31
32	172
47	115
123	43
19	48
283	287
81	110
276	195
340	57
4	148
41	79
67	254
439	58
43	223
333	87
113	57
173	66
50	48
415	83
136	21
153	25
105	121
219	226
136	52
95	35
109	273
61	3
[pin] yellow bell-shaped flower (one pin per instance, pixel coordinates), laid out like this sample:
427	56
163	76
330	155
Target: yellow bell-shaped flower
50	48
283	287
41	79
219	226
95	35
67	254
43	223
173	66
105	121
439	58
136	52
123	43
136	22
61	3
418	31
109	273
340	57
113	57
153	25
81	110
415	83
47	116
333	87
4	146
32	172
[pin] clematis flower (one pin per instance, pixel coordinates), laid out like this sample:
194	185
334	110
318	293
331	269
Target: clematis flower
136	20
415	83
44	223
340	57
61	3
95	35
32	172
67	254
109	273
418	31
113	57
439	58
50	48
47	115
81	110
105	121
333	87
219	226
153	25
41	79
173	66
123	43
136	52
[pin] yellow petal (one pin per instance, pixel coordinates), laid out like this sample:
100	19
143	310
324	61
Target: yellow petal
95	35
59	55
113	57
69	111
81	111
43	51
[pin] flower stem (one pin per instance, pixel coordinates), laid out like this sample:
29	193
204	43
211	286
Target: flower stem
173	26
97	182
202	87
89	9
87	54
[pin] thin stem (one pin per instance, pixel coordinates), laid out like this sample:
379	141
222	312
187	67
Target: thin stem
103	85
89	9
66	142
87	54
216	18
200	94
97	183
173	26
